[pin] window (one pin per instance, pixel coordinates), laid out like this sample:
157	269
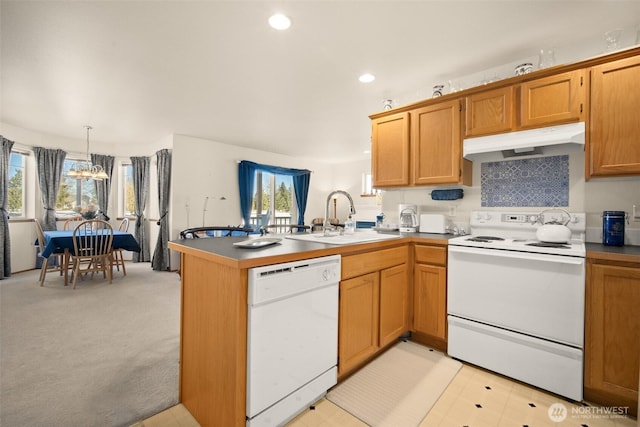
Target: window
74	192
367	186
16	185
273	201
128	195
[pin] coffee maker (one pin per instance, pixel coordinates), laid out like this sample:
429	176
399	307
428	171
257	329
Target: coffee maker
408	218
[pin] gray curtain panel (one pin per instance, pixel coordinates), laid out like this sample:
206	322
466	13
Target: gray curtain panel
103	188
161	258
140	166
49	165
5	248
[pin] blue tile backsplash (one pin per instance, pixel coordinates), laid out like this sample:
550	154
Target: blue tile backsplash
541	181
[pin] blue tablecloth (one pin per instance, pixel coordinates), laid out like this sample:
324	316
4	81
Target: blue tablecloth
58	241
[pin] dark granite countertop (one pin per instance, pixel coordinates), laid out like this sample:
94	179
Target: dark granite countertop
222	249
625	253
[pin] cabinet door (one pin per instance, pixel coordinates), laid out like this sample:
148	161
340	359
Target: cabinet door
612	341
436	144
393	303
358	320
390	150
613	146
552	100
489	112
430	300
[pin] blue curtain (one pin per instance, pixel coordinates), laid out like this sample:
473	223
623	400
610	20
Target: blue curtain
301	188
246	175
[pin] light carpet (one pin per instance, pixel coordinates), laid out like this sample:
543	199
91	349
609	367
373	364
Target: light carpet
100	355
398	388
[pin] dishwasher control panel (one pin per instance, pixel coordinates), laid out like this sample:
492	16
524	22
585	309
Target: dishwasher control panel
278	281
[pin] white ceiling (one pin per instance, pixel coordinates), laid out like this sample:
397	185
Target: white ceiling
138	71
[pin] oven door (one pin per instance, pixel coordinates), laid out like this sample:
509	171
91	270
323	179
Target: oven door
535	294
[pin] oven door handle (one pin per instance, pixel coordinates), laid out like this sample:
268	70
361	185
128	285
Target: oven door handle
561	259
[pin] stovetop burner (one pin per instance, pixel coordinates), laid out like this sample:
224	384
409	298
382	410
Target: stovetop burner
549	245
484	239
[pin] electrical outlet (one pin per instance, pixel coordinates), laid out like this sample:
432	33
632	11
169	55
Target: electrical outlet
452	211
635	213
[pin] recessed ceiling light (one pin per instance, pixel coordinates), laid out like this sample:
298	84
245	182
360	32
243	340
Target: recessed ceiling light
367	78
280	21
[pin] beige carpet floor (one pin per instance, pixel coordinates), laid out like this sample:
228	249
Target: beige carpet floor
100	355
398	388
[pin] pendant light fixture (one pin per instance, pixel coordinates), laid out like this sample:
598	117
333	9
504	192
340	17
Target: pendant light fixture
84	170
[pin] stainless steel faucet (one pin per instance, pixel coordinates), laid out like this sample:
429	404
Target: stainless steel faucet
352	210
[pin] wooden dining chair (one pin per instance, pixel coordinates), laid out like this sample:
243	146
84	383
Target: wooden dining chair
118	260
72	223
55	262
92	246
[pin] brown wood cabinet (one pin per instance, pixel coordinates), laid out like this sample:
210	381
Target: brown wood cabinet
552	100
436	145
544	101
430	295
390	150
612	333
432	135
373	305
490	112
613	146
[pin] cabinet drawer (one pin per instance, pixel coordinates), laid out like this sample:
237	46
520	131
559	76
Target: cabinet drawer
356	265
431	254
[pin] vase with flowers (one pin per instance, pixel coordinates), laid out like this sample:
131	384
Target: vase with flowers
86	212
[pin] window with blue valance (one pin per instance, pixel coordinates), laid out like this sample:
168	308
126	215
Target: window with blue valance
246	175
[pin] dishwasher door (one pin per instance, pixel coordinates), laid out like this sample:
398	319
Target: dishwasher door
292	342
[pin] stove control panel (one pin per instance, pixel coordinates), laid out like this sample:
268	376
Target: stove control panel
515	218
522	222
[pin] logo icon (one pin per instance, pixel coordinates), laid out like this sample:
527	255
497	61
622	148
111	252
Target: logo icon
557	412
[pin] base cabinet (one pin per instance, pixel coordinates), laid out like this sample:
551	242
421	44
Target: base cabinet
430	296
612	334
373	305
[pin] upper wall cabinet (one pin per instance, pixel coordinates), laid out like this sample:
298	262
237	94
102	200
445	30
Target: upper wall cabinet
489	112
432	135
553	100
390	150
436	145
541	102
613	146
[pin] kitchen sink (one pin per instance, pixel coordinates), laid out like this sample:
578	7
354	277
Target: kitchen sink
345	239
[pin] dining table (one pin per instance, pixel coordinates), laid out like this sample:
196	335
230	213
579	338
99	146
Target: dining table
61	242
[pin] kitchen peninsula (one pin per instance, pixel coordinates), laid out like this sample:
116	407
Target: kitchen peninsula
214	273
214	310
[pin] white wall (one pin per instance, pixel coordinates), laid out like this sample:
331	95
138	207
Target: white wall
348	177
204	168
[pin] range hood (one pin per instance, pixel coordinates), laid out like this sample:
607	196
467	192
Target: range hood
525	142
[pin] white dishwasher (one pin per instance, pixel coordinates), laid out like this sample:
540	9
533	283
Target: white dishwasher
292	337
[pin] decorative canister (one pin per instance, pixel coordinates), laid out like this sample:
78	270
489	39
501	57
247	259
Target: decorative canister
613	228
437	90
523	69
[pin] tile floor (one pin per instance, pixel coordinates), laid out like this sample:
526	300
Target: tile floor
475	398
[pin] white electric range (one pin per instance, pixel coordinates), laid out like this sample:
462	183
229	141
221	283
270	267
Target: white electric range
515	305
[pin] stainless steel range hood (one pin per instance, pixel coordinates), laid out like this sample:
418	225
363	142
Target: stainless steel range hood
525	142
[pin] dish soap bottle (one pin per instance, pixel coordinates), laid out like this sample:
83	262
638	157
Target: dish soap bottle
349	226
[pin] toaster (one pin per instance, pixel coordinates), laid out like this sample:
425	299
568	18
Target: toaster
435	223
